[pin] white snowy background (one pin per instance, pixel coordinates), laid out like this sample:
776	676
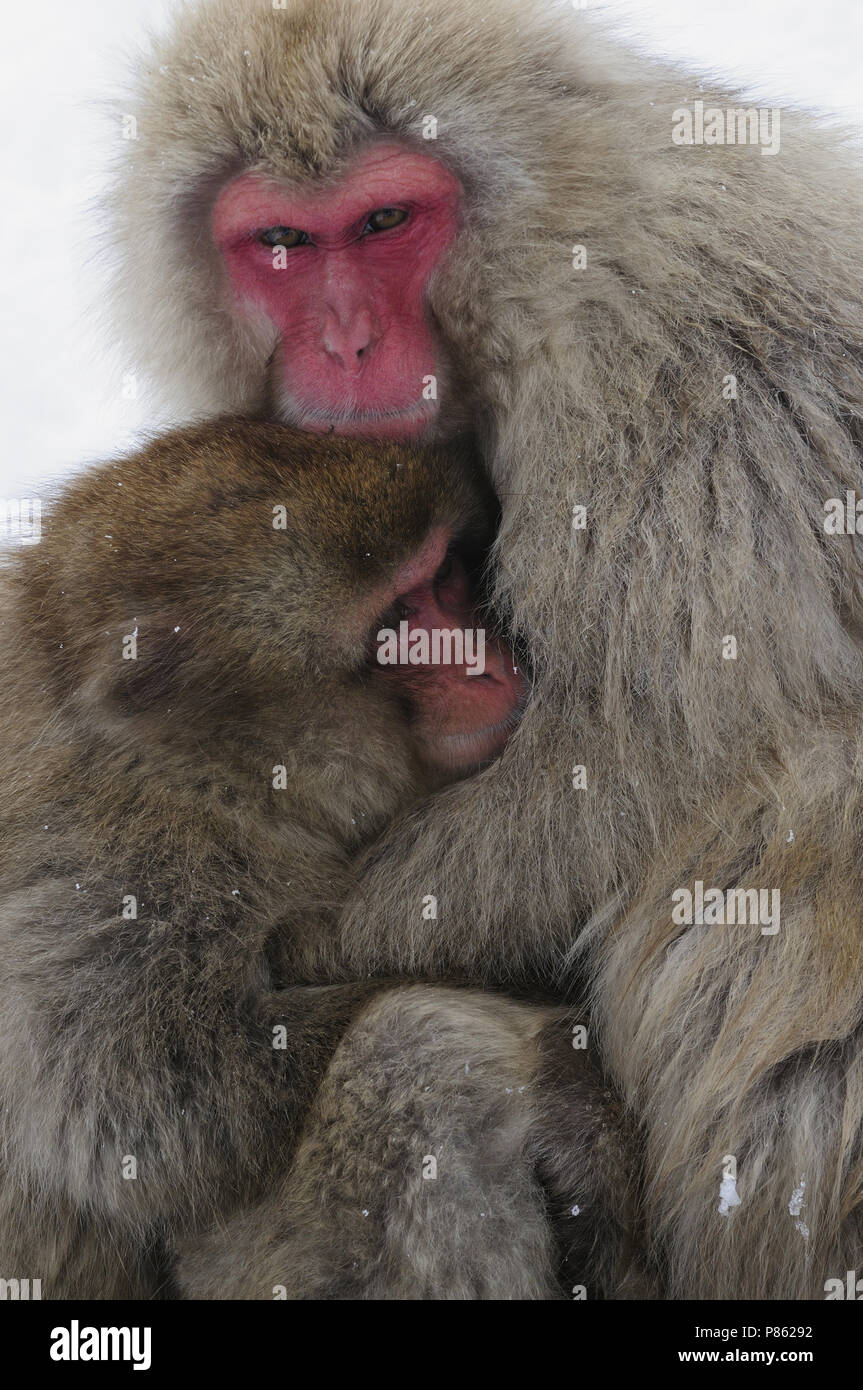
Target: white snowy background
62	395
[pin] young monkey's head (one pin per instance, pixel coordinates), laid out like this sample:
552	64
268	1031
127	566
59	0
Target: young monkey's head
239	581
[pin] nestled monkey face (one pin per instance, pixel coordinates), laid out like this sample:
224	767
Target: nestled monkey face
462	683
342	274
262	590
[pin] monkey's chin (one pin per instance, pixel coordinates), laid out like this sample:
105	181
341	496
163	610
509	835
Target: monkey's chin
409	422
458	754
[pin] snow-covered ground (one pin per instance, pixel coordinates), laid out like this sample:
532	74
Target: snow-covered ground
62	393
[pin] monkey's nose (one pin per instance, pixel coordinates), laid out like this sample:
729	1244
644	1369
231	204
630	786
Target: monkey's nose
349	343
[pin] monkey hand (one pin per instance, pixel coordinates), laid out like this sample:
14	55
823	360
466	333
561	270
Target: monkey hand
417	1172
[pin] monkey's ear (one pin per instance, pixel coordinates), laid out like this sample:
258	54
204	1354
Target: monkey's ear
143	668
156	675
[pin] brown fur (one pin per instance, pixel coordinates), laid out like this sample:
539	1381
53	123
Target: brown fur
603	387
460	1078
152	1036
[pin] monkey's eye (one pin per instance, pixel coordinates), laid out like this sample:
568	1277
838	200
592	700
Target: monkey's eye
284	236
384	220
396	613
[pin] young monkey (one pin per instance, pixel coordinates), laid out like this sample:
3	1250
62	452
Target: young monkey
199	737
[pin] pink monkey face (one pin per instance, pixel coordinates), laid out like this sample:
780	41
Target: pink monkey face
342	274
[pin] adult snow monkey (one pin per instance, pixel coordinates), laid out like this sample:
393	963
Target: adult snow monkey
397	219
